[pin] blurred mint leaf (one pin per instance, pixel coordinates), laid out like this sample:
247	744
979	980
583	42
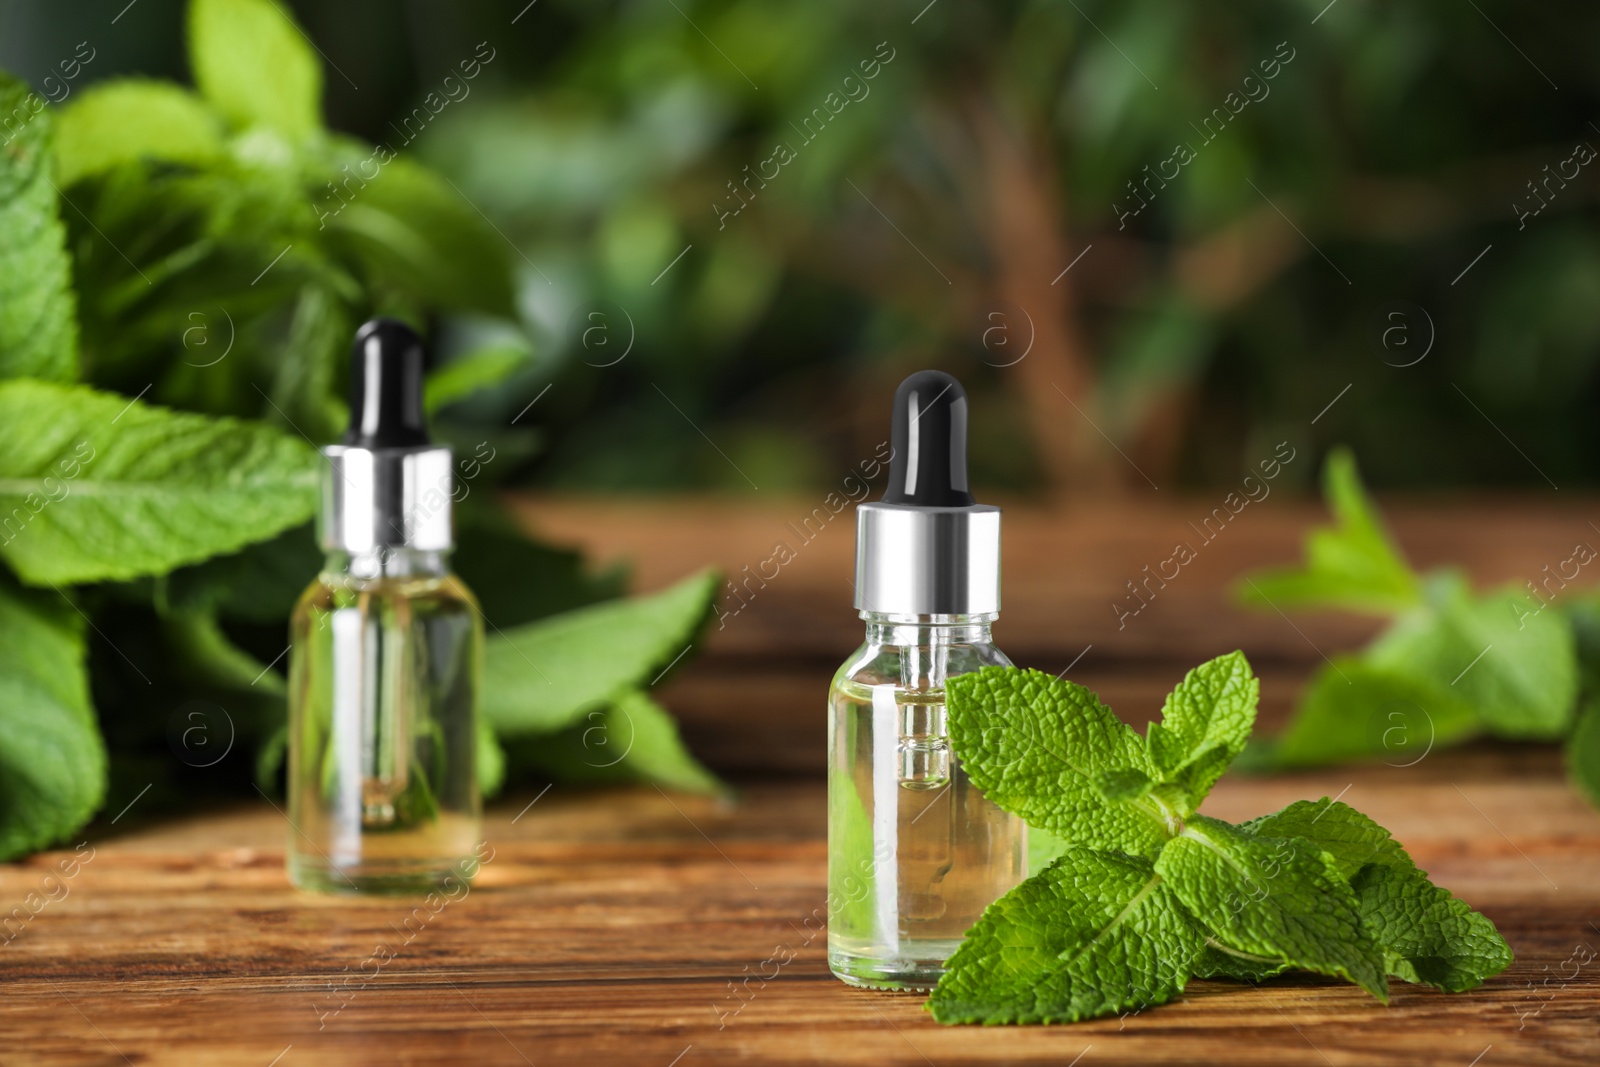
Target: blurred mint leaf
95	486
1354	564
1353	710
205	656
1427	935
542	677
1205	723
131	121
38	324
629	739
491	761
259	583
412	231
256	66
52	760
1094	933
1272	897
473	372
1519	673
1583	751
305	393
1038	745
518	579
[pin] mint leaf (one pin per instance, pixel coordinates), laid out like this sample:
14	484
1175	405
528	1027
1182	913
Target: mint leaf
1274	897
629	739
1205	723
1220	961
203	655
52	760
132	121
95	486
517	579
1127	783
1583	752
1583	613
1354	564
255	66
1520	674
1093	933
1043	849
1037	746
413	231
38	323
491	762
474	372
542	677
1426	934
1353	710
1350	838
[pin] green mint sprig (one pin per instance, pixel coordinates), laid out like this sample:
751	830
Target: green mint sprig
1148	893
1514	662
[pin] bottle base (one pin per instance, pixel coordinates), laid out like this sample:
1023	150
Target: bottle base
393	879
916	972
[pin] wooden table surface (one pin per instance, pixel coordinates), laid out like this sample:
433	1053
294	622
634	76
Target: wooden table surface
630	926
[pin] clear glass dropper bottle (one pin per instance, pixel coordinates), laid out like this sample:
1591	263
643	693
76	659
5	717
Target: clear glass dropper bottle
915	853
385	652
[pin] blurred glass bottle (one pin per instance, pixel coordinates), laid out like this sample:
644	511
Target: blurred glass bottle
385	652
915	853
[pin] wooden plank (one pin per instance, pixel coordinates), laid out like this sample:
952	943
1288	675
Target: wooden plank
632	927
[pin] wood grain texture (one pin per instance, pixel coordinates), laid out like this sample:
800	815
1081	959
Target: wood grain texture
634	927
631	927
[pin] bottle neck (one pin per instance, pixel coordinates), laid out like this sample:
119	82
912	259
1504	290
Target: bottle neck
920	630
389	562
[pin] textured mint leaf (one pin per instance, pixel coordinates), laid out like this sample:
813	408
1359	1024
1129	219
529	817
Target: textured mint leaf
1350	838
1123	784
1426	934
131	121
1353	710
52	760
95	486
544	676
255	66
1219	961
1037	746
1583	752
1353	564
38	321
1092	934
1520	674
629	739
1274	897
1204	724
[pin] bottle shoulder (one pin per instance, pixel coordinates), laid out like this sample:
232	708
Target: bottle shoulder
877	663
331	590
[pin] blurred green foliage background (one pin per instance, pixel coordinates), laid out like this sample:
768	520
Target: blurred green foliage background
1346	164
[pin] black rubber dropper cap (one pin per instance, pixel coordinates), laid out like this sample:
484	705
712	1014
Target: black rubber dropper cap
929	464
386	368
